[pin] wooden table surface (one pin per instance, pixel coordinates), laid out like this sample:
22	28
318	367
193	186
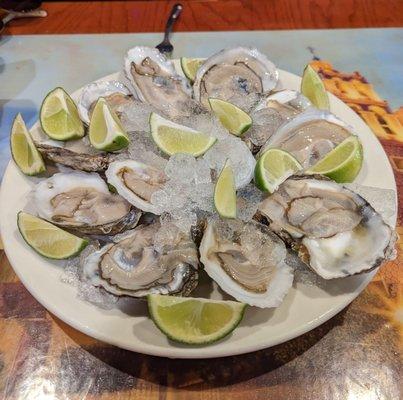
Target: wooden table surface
355	355
212	15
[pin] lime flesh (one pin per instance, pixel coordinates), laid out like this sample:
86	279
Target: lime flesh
225	193
47	239
192	320
313	88
343	163
23	149
173	138
106	132
273	168
235	120
59	116
190	67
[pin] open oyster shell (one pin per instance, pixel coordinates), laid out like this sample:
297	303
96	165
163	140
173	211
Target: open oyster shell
134	266
136	182
247	261
334	230
155	81
309	136
238	75
270	113
81	202
114	92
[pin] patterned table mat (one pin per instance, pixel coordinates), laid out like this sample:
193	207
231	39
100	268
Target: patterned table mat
356	355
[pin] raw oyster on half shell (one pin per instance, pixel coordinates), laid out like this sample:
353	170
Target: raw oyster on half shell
334	230
82	202
133	266
237	75
247	261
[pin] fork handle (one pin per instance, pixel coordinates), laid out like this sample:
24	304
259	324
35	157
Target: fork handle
175	13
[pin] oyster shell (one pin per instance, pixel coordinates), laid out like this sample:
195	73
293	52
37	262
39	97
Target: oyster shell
238	75
334	230
132	266
270	113
309	136
156	82
136	182
97	162
114	92
247	261
81	202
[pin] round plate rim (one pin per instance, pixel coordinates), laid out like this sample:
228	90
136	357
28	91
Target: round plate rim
170	351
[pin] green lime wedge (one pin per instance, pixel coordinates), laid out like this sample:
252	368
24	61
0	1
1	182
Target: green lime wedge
190	67
23	149
47	239
235	120
106	132
59	116
173	138
313	88
273	168
343	163
192	320
225	193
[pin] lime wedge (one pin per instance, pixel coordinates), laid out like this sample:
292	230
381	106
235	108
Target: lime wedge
23	149
225	193
47	239
106	132
235	120
190	67
343	163
313	88
59	116
273	168
194	321
173	138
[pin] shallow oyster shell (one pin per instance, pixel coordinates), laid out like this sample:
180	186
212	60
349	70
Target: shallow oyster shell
247	261
131	266
334	230
81	202
233	74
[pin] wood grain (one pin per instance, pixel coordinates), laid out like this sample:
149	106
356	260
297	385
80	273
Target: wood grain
211	15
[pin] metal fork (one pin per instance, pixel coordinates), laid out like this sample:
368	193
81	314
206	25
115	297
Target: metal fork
10	15
165	47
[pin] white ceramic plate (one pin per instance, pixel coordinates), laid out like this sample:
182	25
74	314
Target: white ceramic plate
305	307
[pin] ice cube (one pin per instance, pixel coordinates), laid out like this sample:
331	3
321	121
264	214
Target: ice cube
248	200
265	122
181	167
135	116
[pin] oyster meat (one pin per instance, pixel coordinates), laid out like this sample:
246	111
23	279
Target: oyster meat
81	202
334	230
156	82
114	92
309	136
247	261
238	75
133	266
136	182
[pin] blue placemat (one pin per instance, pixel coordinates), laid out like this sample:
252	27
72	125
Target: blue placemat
30	66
